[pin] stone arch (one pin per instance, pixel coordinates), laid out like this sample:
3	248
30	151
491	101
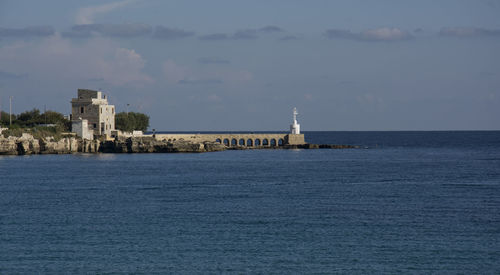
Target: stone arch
234	142
241	142
265	142
273	142
226	142
281	142
249	142
257	142
218	140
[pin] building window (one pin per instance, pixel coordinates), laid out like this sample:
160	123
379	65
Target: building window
81	110
101	110
113	110
95	125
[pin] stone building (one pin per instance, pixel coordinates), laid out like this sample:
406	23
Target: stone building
81	128
93	106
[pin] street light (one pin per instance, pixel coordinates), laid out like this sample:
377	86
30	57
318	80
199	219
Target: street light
10	112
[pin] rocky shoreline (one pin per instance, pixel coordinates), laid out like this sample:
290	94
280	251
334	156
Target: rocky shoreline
28	145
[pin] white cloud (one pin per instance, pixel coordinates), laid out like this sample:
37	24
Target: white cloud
175	73
380	34
385	34
469	32
57	58
112	30
178	74
86	15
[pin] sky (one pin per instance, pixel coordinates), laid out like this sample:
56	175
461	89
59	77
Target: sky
241	65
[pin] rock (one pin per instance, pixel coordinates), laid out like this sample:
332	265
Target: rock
151	145
8	146
141	144
213	147
336	146
88	146
27	145
311	146
62	146
179	146
319	146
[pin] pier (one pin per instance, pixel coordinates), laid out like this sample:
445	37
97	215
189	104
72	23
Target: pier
238	140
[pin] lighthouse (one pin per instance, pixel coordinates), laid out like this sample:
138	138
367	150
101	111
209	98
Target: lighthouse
295	127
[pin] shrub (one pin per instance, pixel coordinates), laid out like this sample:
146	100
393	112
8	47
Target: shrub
131	121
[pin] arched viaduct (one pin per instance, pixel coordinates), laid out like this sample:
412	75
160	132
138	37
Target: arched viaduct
239	140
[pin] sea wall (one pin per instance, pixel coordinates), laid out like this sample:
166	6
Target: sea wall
237	140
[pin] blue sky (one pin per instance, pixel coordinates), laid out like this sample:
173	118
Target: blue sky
243	65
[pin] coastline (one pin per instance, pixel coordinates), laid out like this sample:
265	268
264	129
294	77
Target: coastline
28	145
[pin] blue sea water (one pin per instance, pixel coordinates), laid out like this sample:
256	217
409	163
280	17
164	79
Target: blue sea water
407	202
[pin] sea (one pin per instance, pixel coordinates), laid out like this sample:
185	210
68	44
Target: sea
402	203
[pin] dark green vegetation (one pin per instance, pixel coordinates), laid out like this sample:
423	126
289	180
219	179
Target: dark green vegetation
38	124
131	121
54	124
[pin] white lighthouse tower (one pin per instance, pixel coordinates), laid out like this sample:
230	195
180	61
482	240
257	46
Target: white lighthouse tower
295	127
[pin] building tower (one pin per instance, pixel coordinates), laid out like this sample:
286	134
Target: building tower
295	127
93	106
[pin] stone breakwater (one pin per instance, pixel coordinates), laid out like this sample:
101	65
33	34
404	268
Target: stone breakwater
27	145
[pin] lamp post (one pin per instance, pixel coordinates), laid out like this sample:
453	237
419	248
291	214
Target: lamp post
10	111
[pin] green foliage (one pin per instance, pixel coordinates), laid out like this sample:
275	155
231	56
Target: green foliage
34	119
29	118
51	117
4	118
131	121
14	132
36	132
44	132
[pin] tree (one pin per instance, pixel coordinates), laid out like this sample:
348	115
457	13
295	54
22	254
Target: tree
131	121
29	118
52	117
4	119
34	118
